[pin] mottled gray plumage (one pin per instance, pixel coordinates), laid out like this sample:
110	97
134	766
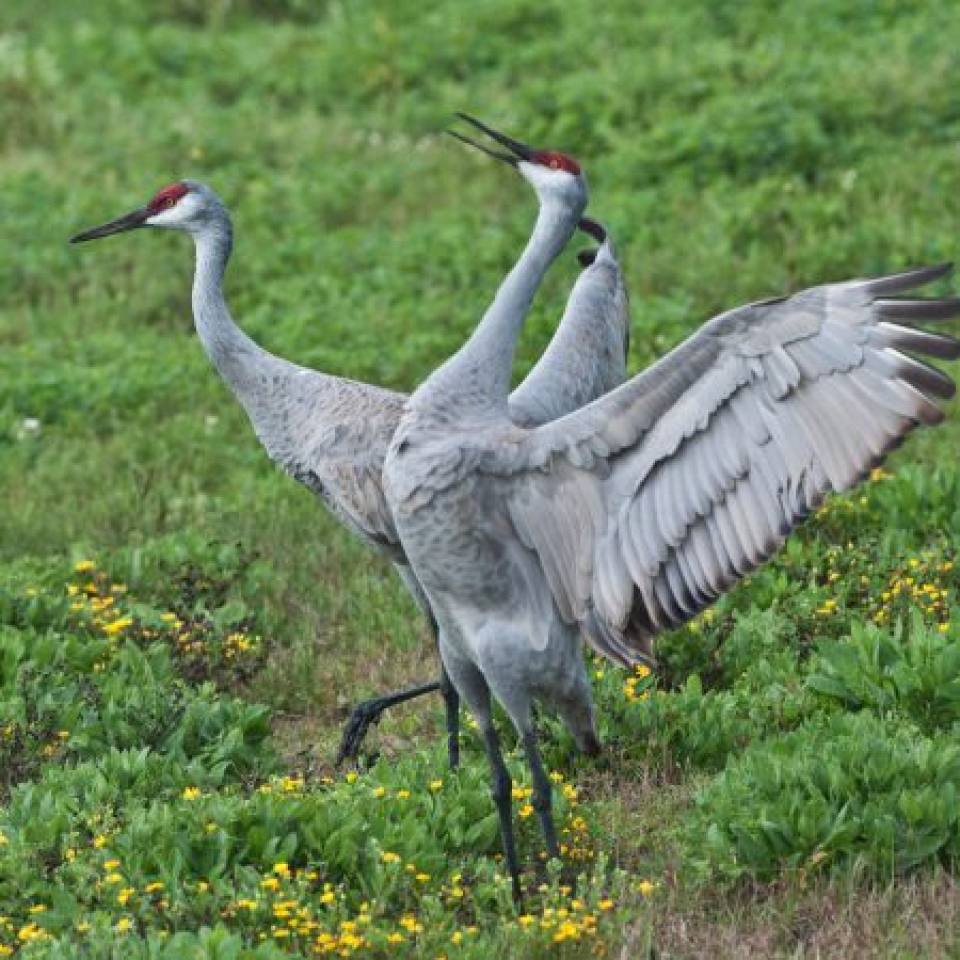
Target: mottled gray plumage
635	512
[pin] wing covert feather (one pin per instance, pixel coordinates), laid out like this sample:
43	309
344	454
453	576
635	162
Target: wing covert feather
697	469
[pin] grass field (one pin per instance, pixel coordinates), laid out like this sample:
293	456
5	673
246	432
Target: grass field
183	630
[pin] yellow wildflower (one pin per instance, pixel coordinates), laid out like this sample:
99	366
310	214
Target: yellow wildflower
388	856
124	925
403	794
645	888
31	931
436	785
84	566
395	938
191	793
154	887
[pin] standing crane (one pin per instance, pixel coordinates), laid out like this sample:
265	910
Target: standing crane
628	516
331	433
586	357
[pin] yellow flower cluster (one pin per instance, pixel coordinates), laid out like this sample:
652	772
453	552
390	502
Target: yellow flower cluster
704	620
236	645
563	923
920	586
95	599
640	673
309	919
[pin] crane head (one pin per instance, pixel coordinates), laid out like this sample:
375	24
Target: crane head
547	170
178	206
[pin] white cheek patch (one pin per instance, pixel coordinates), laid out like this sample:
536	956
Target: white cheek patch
176	215
164	218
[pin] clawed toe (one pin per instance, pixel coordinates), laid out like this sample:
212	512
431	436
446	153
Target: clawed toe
363	716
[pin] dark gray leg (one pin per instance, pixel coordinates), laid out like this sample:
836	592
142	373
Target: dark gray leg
451	700
542	794
370	711
502	790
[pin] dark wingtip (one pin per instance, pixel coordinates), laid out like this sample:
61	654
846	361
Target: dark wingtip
946	308
586	257
908	279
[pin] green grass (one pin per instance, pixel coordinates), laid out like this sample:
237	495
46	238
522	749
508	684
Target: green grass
736	152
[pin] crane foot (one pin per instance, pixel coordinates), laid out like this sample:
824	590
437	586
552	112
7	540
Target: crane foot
356	727
369	712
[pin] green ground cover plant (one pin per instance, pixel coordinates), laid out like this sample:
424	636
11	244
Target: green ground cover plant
183	630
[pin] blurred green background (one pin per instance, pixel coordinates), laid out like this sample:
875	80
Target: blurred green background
736	151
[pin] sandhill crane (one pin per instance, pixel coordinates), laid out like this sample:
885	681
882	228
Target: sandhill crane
331	433
630	515
585	358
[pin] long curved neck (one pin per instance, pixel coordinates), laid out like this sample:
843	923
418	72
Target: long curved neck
478	375
237	358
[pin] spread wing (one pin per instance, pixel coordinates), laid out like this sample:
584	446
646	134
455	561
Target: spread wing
647	504
587	356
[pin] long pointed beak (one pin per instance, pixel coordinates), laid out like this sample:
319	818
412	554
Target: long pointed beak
518	151
129	221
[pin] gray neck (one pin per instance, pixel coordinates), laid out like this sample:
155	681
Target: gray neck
479	374
237	358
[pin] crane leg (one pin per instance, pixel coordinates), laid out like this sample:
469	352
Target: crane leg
451	700
542	794
369	712
502	792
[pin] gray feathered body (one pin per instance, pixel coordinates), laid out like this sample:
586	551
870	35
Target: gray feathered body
332	434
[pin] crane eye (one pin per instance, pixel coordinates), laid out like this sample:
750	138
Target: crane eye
168	203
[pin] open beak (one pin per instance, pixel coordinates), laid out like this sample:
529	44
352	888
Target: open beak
518	151
129	221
